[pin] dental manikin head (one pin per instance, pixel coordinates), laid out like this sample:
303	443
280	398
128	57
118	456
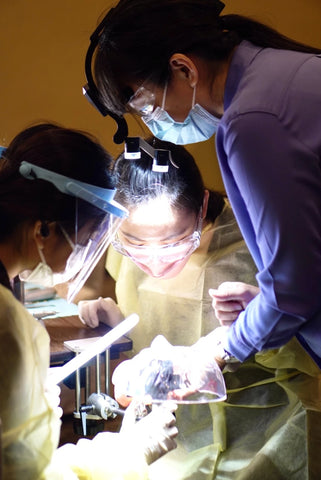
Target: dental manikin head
57	209
167	211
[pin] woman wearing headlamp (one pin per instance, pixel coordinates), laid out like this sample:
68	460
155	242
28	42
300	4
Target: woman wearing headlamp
204	72
57	217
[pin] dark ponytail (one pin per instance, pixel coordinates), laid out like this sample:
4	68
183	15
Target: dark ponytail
262	35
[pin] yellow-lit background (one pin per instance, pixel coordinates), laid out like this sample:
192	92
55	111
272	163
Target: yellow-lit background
42	50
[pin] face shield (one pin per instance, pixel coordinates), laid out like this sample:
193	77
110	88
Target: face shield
91	241
91	237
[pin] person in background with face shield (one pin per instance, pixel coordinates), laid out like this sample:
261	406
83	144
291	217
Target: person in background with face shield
57	216
179	241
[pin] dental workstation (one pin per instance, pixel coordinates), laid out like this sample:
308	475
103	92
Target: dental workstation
160	240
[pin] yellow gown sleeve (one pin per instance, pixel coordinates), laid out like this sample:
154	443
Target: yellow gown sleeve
108	456
30	427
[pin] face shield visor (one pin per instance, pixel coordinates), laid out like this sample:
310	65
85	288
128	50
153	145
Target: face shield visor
92	235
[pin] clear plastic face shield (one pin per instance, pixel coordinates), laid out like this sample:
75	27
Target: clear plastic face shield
91	241
91	238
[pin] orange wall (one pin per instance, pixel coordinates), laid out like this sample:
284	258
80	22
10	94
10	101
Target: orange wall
42	51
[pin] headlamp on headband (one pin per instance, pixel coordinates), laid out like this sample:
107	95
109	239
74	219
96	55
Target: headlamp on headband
161	158
90	90
219	6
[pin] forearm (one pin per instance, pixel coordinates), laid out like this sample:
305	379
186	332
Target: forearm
260	327
281	228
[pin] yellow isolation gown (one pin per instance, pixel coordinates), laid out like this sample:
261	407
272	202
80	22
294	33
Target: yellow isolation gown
31	426
259	432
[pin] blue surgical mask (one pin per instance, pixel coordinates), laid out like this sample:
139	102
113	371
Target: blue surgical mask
198	126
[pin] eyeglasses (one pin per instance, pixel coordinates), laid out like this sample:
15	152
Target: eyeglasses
170	253
142	102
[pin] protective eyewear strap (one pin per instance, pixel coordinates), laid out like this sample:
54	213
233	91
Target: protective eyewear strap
164	96
41	255
70	242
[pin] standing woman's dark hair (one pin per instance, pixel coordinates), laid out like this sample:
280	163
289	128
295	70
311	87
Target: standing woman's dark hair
137	183
68	152
139	37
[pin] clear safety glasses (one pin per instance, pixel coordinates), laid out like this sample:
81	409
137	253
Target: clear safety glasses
167	254
142	102
92	238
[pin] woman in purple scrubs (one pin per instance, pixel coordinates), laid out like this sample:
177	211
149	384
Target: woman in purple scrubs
189	71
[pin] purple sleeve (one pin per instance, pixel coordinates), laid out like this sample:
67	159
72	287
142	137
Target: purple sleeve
274	184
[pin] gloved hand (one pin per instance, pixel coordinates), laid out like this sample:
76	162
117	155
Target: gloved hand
230	298
103	310
154	433
212	346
